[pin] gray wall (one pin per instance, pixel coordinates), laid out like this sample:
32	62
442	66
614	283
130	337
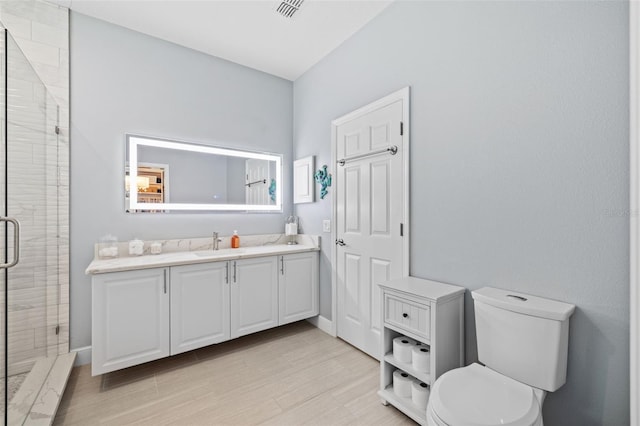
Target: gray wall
123	81
519	163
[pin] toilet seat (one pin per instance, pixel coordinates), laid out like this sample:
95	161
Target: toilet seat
478	396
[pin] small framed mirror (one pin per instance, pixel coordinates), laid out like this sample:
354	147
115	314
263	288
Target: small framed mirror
303	184
163	176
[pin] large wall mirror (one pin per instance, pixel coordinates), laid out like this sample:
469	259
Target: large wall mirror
171	176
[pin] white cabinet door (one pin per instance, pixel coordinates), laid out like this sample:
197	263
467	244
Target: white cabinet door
298	287
199	305
130	319
254	295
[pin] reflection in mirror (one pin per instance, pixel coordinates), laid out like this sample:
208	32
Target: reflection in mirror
152	184
202	177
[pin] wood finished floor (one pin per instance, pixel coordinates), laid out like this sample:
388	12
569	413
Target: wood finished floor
291	375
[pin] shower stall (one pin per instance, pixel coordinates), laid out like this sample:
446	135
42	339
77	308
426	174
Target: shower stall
33	240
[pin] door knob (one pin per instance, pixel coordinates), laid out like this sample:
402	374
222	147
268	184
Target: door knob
340	242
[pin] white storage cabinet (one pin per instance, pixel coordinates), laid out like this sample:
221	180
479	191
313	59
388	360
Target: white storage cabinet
428	312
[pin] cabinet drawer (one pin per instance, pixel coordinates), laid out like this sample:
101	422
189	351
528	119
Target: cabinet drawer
407	315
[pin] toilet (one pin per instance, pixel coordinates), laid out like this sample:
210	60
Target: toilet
522	342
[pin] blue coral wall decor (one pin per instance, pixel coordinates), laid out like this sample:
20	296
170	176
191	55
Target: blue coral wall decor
324	179
272	190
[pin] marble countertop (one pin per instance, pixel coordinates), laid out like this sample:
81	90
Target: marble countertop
186	257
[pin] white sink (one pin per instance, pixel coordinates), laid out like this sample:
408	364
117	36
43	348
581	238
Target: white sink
216	253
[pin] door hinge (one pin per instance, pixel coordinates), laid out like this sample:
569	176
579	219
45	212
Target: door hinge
401	128
402	229
57	129
57	329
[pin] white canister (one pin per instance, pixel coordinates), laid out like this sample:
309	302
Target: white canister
136	247
108	247
155	248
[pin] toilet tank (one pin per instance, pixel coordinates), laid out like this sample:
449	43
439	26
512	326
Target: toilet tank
523	337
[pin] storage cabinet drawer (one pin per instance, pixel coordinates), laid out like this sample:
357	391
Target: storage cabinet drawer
407	315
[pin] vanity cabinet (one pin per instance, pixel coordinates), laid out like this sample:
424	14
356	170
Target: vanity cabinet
147	314
430	313
199	305
130	319
254	295
298	287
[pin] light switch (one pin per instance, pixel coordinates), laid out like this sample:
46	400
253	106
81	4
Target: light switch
326	225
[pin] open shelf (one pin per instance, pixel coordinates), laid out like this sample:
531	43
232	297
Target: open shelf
423	377
405	405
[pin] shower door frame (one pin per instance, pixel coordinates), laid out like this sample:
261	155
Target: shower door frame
32	156
634	211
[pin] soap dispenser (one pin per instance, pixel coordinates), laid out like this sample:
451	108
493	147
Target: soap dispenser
235	240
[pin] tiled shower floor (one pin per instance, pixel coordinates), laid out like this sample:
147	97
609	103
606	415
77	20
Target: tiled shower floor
14	384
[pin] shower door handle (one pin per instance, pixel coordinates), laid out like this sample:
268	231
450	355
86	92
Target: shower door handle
16	242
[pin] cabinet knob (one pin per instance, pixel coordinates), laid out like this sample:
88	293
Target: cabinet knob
405	315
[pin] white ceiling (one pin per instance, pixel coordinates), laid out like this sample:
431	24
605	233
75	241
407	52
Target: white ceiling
248	32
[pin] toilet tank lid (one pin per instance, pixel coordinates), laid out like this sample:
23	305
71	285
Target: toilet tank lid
524	303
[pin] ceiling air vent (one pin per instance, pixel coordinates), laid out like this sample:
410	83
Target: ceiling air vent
288	7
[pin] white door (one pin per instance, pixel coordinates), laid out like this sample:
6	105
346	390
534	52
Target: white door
199	305
130	321
369	220
258	180
254	295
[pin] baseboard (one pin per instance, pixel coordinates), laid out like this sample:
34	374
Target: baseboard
323	324
83	356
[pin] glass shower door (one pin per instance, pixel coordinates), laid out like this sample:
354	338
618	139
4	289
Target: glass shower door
3	228
29	202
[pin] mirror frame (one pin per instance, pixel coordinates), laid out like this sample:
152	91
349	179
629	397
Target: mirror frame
134	141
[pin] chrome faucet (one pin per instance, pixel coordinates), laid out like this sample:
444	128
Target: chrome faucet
216	240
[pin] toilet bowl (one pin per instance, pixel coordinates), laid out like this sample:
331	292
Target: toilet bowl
478	396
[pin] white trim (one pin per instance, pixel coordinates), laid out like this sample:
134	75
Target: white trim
634	199
83	356
402	94
323	324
